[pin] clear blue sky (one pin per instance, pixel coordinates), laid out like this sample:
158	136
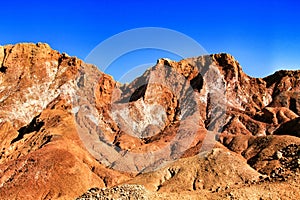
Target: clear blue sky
262	35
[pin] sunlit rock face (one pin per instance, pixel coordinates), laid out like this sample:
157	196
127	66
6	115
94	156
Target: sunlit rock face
182	127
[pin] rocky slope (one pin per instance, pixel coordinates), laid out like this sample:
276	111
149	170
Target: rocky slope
199	128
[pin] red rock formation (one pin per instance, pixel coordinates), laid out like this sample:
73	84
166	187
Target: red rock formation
42	156
66	127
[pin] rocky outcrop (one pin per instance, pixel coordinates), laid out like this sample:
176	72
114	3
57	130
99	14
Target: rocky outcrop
42	155
66	127
135	192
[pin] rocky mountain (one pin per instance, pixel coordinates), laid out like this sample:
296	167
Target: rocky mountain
199	128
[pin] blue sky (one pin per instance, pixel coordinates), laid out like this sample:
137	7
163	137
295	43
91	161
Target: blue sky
263	36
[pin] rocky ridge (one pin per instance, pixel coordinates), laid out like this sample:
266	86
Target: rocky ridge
45	152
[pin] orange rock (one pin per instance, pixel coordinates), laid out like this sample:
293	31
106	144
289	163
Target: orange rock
56	110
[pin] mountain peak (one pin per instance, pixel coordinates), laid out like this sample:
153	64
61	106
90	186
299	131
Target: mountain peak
66	127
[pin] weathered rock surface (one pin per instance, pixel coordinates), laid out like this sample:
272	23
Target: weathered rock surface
42	156
122	192
64	124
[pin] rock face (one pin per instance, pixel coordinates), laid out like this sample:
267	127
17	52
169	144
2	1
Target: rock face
66	127
42	156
